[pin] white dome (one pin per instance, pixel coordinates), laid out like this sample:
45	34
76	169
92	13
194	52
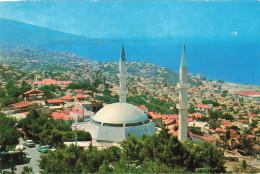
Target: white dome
120	113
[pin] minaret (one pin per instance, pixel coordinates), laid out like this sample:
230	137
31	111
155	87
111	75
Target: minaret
183	106
122	77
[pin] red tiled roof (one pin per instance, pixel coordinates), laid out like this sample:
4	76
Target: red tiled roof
80	96
174	116
168	122
243	121
190	120
209	138
197	115
66	111
252	115
56	100
66	97
247	93
175	133
32	90
256	147
51	82
36	94
87	91
78	90
220	130
194	135
226	124
250	136
57	115
204	106
142	107
20	104
232	131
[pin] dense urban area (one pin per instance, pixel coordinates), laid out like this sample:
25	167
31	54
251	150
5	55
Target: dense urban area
46	96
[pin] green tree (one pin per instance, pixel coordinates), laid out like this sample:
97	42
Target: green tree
8	131
244	166
228	134
27	170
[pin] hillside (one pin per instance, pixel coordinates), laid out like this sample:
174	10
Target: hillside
18	33
21	44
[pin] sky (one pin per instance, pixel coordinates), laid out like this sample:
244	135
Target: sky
147	19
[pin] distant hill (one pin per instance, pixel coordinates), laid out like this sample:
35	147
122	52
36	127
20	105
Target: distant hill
18	33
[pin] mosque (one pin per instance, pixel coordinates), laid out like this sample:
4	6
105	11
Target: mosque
115	121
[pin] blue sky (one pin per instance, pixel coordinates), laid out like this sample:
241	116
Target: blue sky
132	19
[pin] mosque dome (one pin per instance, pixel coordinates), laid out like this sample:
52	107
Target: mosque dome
120	113
115	121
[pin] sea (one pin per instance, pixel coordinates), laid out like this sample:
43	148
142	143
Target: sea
235	61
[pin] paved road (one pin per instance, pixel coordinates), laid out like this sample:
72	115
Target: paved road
34	156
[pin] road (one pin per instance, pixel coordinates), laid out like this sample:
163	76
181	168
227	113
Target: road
33	156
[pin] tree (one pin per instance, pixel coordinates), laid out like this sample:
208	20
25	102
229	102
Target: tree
160	153
44	129
49	90
8	131
228	134
215	103
244	165
192	109
27	170
209	158
246	145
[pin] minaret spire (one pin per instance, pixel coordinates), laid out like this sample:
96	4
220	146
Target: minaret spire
122	76
183	57
122	57
183	106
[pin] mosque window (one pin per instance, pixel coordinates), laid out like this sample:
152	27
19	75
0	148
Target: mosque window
112	125
96	122
133	124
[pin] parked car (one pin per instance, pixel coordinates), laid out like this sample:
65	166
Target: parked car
29	143
43	149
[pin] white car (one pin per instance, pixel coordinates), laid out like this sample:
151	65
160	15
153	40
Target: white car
20	147
29	143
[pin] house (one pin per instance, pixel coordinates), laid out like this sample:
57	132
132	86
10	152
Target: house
55	104
251	94
243	121
33	95
226	124
196	115
205	138
203	108
38	84
80	97
67	98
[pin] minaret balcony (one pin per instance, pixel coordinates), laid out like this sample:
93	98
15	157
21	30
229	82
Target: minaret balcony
183	86
123	92
182	106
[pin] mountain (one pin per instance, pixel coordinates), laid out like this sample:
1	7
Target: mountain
18	33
